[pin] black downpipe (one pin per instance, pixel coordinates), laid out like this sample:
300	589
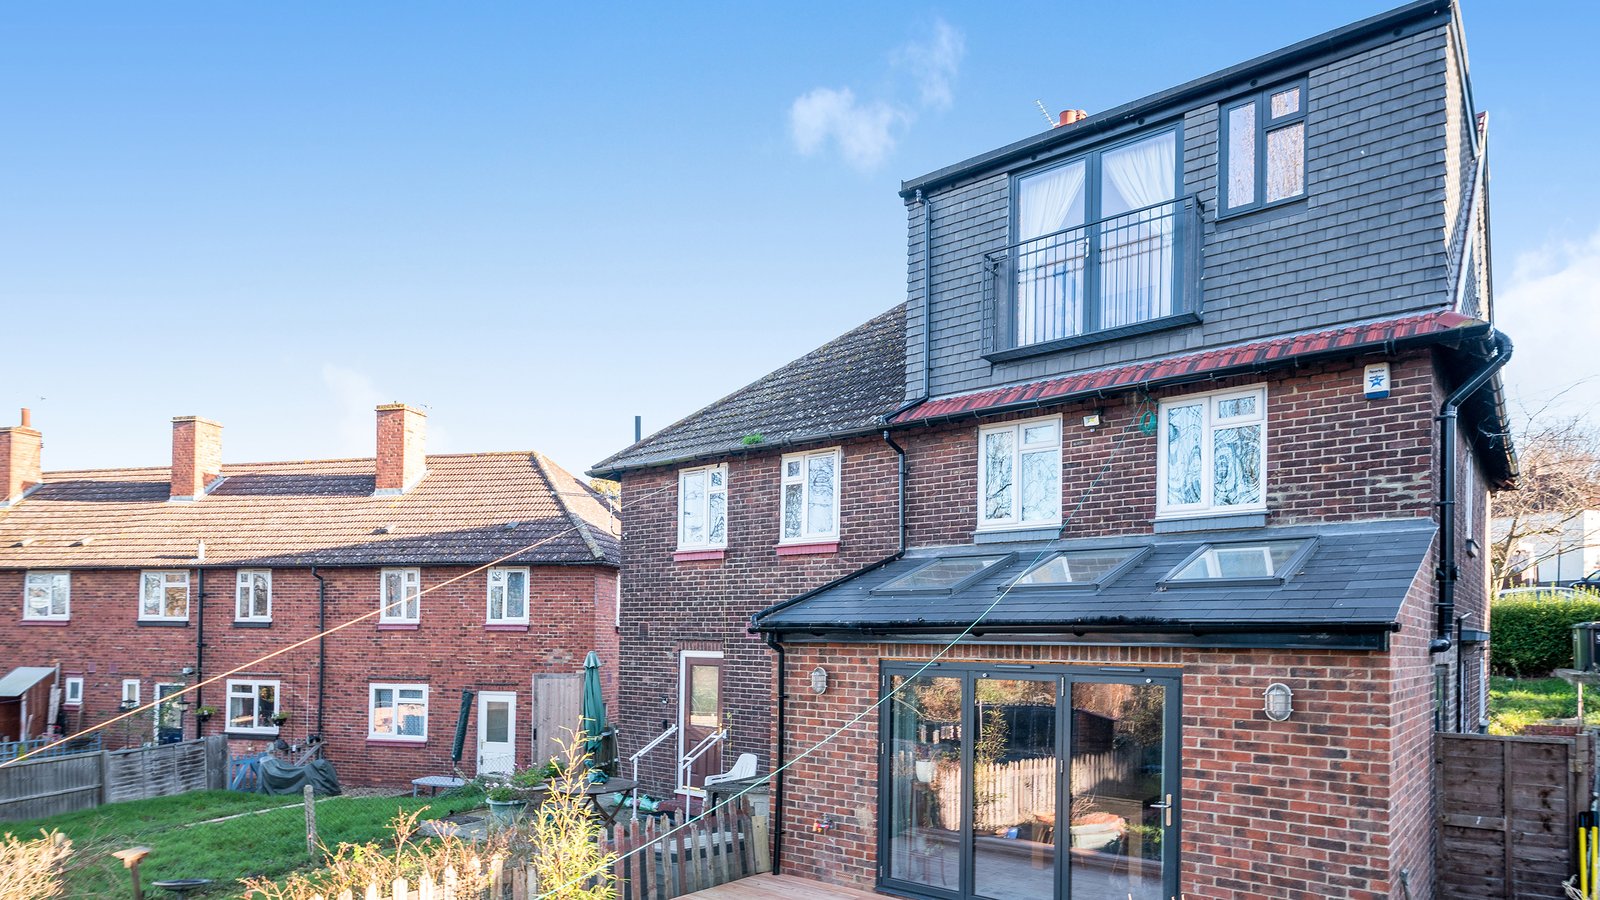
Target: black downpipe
199	652
777	778
901	453
1448	571
322	645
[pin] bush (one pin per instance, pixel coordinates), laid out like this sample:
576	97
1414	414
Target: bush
1534	637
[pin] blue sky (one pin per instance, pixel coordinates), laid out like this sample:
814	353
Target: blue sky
539	222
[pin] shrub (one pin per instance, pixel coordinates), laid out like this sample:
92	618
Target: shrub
1534	637
31	870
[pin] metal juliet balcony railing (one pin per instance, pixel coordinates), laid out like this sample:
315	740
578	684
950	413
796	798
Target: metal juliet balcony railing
1098	280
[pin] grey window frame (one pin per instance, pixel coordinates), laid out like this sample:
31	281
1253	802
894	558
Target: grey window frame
1005	559
1112	574
1262	101
1290	567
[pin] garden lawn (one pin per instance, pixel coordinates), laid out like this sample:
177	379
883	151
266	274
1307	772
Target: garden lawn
1516	702
221	835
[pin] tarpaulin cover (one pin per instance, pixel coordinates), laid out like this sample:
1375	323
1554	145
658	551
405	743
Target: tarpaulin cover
279	777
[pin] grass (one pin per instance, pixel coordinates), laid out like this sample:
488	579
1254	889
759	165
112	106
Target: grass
265	835
1517	702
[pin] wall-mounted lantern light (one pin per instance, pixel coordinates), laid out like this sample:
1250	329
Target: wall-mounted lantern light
1280	701
819	680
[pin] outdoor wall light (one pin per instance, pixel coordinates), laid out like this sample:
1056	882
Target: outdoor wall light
819	680
1280	701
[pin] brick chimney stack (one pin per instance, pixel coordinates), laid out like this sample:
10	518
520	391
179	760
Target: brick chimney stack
402	448
19	459
196	456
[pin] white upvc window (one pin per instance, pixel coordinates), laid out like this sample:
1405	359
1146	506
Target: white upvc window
1211	454
130	692
810	507
508	596
1019	474
251	705
253	595
164	596
401	596
72	693
47	596
397	712
703	508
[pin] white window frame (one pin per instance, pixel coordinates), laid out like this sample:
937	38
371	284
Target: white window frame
245	579
705	510
1015	521
807	536
130	694
254	685
1209	422
395	688
503	573
409	578
70	697
169	577
28	615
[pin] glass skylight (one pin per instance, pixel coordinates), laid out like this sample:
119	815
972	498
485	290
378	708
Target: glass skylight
1256	561
945	574
1078	568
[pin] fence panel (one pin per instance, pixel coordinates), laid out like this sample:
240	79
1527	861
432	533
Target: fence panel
33	789
1508	812
51	785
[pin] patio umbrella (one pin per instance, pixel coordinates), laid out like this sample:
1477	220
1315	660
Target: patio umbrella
594	703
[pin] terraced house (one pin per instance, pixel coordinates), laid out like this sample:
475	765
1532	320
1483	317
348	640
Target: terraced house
493	573
1139	552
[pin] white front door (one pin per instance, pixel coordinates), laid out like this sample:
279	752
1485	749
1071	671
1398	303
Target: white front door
497	732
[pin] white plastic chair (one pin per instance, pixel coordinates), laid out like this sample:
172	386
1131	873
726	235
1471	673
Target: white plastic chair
743	767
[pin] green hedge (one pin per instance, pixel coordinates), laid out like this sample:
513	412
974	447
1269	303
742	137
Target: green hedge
1534	637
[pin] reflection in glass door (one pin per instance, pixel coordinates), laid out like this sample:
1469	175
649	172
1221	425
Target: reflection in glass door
1014	766
1121	804
923	818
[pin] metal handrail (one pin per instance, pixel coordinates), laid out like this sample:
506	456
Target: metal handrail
700	749
634	760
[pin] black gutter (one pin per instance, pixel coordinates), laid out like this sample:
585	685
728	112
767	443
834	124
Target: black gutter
322	645
200	651
1209	88
1448	419
1057	626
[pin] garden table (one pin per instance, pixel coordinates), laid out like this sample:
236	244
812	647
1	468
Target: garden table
593	791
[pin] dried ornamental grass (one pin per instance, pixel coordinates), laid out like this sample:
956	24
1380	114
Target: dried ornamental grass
31	870
566	842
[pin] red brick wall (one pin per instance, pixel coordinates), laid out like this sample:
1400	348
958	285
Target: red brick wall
571	613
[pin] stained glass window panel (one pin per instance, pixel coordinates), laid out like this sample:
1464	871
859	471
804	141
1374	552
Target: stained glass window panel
1183	455
717	512
791	509
1242	155
1236	458
1285	102
1286	162
1041	486
1235	407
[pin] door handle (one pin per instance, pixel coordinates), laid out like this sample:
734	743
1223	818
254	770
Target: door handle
1167	808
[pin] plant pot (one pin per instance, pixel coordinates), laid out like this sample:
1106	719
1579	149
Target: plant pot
506	812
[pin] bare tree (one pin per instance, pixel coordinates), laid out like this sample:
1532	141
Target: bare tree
1559	459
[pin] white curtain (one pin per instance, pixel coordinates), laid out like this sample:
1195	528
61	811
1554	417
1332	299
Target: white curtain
1048	272
1136	251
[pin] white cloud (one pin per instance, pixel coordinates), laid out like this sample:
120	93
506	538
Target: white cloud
933	63
865	131
1551	309
862	132
354	396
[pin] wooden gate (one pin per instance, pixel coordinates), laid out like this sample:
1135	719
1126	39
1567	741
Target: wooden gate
1508	811
557	708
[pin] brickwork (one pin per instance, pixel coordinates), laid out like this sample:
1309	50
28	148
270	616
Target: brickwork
572	610
19	461
402	437
196	455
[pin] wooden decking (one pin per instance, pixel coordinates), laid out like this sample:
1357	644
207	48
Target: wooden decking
778	887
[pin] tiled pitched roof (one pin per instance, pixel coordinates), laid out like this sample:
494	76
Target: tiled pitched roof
1434	326
471	508
846	386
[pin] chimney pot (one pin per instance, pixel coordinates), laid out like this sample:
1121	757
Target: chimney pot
1071	116
402	448
196	456
27	417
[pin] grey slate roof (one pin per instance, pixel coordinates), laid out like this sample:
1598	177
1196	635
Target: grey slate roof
846	386
1355	578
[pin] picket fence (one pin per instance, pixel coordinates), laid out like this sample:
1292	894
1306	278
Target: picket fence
655	861
1012	793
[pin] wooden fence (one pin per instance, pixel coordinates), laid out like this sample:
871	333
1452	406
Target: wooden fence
655	862
1011	793
35	788
1508	813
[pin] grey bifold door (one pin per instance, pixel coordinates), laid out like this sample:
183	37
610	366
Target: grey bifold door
1019	782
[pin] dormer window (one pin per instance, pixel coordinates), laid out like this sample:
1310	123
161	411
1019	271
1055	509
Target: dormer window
1098	247
1263	149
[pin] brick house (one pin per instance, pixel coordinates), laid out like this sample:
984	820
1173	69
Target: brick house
130	583
1140	552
